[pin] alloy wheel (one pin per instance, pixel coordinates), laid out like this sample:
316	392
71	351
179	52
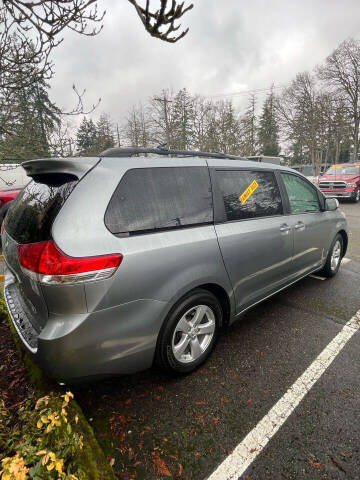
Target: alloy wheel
335	255
193	333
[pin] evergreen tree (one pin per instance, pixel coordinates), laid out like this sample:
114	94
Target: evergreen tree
228	128
268	134
30	120
86	138
183	114
248	129
104	133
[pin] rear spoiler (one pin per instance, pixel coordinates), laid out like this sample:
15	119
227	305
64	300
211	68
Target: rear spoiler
76	167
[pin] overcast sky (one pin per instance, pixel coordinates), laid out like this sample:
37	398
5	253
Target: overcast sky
232	46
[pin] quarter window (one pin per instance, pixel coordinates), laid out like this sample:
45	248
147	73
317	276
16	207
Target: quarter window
249	194
150	199
302	196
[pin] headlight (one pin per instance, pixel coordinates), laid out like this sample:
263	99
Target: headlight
352	185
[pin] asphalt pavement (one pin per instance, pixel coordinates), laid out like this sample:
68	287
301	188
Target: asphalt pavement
154	426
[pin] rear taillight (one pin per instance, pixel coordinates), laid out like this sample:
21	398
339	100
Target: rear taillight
46	263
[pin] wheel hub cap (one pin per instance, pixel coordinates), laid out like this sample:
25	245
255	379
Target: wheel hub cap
336	255
193	334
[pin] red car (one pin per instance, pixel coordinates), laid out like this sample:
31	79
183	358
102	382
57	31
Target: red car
9	193
341	181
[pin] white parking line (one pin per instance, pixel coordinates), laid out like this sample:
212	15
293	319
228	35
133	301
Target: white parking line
345	260
245	453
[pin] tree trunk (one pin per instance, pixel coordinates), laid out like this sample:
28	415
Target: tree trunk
337	151
356	139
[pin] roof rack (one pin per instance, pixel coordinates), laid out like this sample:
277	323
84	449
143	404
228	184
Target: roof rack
130	151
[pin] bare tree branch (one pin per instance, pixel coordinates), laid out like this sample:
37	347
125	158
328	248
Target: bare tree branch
164	17
29	31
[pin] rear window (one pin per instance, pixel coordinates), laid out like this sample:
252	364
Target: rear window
32	213
150	199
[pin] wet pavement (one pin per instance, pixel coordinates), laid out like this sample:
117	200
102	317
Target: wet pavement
155	426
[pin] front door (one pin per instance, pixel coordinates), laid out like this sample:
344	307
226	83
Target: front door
311	228
254	235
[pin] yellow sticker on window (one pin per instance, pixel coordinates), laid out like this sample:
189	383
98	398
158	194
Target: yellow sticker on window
335	166
248	192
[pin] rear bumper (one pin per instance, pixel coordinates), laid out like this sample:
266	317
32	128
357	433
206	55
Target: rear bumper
114	341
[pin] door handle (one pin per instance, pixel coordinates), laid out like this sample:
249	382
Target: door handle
285	228
300	226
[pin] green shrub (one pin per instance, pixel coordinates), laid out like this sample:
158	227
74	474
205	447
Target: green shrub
44	444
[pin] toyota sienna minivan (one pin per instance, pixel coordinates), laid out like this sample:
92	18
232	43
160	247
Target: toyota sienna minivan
117	262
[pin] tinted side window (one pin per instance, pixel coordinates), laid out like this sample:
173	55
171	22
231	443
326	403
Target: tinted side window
148	199
302	196
249	194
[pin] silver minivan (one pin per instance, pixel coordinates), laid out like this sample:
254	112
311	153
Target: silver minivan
119	261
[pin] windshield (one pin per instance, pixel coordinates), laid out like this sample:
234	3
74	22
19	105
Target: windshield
341	170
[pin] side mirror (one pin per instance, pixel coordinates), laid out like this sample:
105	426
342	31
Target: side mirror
331	204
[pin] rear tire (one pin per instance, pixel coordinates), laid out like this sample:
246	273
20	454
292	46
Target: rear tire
189	333
334	257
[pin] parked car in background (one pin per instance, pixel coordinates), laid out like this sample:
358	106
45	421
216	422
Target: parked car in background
7	195
170	249
307	171
341	181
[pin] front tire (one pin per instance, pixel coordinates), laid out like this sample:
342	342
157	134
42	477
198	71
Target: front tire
334	257
189	333
356	197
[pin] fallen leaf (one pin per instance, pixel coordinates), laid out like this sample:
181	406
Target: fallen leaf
197	454
180	470
223	400
160	466
315	464
216	420
200	403
112	462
